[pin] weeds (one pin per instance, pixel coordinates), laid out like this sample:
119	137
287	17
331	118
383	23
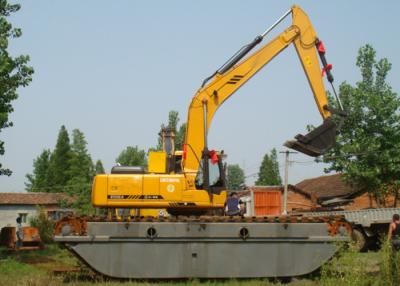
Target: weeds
390	265
346	268
13	273
44	224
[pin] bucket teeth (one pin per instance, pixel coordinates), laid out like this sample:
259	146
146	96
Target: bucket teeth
317	142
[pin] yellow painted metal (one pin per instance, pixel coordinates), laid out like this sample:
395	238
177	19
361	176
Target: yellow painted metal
121	185
301	33
99	191
157	162
171	187
151	185
150	191
153	212
123	213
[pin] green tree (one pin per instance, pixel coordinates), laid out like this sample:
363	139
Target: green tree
81	173
81	164
79	188
14	71
99	169
235	178
132	156
180	137
68	169
368	149
173	120
268	174
39	180
60	161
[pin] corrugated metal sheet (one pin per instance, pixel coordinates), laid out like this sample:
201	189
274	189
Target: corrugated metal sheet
267	203
363	217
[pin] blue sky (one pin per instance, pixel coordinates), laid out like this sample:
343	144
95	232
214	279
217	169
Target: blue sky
114	69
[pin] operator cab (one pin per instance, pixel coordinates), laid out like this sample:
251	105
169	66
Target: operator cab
216	169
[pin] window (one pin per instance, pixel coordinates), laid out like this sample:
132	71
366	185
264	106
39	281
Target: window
214	173
23	217
54	215
58	214
215	178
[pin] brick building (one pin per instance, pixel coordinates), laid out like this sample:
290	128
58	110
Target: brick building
24	205
322	192
331	190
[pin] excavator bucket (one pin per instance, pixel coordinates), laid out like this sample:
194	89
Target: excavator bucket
316	142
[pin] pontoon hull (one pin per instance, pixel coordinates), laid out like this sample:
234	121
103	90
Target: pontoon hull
204	250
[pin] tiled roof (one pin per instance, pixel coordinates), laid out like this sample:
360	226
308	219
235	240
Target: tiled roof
33	198
326	187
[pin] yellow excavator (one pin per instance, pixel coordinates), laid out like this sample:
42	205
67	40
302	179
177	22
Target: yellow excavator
192	181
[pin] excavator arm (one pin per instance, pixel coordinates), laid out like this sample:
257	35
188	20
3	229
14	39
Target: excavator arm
238	70
173	179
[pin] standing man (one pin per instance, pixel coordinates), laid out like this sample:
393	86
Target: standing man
394	232
20	232
394	236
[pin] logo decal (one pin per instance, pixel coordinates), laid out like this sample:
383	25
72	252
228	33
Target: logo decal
170	188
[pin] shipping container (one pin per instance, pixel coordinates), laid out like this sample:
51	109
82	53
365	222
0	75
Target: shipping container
267	202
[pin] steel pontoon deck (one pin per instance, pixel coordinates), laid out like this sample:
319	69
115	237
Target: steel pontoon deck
205	247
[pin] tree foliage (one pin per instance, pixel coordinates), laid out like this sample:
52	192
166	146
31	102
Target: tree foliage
368	149
14	71
79	188
173	120
81	164
60	161
39	180
235	178
44	224
180	137
132	156
68	168
268	174
99	169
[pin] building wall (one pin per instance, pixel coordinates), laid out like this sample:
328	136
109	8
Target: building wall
9	214
298	201
294	200
366	201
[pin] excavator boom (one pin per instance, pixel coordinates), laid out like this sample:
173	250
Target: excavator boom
238	70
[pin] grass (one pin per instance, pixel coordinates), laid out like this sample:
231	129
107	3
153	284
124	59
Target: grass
33	268
13	272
